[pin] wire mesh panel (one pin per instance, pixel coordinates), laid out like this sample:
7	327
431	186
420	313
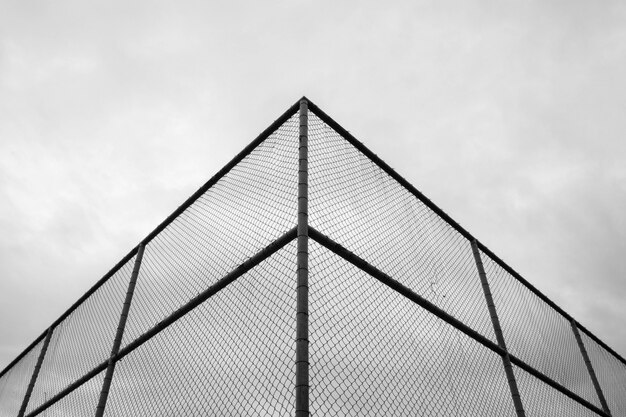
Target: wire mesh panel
233	355
243	212
84	339
538	334
14	382
374	352
541	400
358	205
611	374
81	402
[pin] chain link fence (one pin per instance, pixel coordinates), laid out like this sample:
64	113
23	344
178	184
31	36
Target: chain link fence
406	313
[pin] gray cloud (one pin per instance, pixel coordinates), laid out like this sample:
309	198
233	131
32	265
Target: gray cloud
508	115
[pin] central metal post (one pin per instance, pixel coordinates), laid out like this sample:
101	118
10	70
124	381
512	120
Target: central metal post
302	288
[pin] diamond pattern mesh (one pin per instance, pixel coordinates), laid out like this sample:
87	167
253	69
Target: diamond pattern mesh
538	334
611	374
84	339
358	205
13	383
543	400
374	352
232	355
245	211
80	402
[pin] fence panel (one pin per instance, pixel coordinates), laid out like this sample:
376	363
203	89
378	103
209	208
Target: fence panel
14	382
542	400
81	402
611	374
243	212
374	352
537	334
83	339
232	355
357	204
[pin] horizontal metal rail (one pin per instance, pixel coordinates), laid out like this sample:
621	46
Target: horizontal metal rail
427	305
221	173
229	278
456	226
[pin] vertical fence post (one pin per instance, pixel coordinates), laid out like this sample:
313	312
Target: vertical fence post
33	378
108	377
592	373
506	361
302	287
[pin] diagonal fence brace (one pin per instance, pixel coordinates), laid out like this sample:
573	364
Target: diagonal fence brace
108	377
506	359
33	379
592	374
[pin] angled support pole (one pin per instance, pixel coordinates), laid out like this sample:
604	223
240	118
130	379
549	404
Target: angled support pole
592	374
506	360
33	378
108	377
302	286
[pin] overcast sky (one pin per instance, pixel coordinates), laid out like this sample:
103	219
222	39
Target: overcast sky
510	115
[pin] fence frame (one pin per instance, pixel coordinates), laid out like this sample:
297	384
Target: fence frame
302	232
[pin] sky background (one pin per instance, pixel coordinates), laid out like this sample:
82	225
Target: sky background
510	115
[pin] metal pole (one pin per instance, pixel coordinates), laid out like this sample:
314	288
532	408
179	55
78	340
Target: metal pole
302	288
108	377
592	373
33	379
506	360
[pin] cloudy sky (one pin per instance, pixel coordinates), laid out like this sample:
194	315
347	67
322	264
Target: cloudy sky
510	115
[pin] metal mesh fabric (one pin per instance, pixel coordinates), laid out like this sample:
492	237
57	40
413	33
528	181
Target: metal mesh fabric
611	374
540	399
361	207
84	339
243	212
232	355
14	382
374	352
538	334
81	402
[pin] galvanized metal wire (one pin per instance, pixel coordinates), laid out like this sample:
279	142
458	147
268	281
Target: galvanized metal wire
232	355
537	334
83	339
611	375
245	211
361	207
542	400
374	352
80	402
13	383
